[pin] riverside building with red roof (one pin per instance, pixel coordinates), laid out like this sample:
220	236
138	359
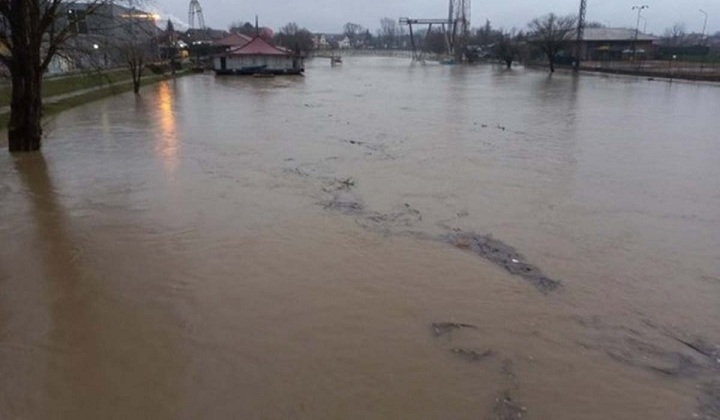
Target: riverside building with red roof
258	57
233	40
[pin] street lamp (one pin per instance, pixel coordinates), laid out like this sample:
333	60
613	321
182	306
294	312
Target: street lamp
702	37
644	24
637	26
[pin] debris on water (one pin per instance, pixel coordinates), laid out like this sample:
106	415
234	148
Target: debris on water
403	216
344	204
342	198
340	184
444	328
373	149
297	171
505	256
699	346
710	279
472	355
347	183
507	409
665	351
507	369
709	401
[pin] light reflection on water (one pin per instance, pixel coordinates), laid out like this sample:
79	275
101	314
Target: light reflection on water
167	147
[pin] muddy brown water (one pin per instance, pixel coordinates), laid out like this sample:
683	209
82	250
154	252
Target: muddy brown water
341	246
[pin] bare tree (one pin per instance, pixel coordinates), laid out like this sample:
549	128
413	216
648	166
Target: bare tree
135	42
486	35
506	48
34	32
353	31
675	36
552	33
435	41
136	58
295	37
389	32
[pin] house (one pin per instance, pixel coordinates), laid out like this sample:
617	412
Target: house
233	40
343	42
258	57
103	33
615	44
320	42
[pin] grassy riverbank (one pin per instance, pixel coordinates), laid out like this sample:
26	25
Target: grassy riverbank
64	92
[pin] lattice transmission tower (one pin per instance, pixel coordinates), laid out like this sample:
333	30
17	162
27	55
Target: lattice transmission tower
455	28
580	32
459	16
196	11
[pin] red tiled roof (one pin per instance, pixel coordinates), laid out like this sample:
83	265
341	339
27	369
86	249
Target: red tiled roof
233	40
257	46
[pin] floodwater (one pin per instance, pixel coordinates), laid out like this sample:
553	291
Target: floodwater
312	248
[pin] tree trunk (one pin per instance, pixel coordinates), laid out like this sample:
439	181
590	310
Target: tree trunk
136	85
136	70
24	128
551	60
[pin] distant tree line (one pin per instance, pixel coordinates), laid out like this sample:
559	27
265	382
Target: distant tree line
295	38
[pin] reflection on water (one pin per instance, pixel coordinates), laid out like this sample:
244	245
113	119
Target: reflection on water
73	336
297	264
167	146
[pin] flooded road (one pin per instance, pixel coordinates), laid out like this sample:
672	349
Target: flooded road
369	241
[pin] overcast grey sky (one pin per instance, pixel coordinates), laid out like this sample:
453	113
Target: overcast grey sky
331	15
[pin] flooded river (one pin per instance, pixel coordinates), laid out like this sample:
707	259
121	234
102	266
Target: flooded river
372	240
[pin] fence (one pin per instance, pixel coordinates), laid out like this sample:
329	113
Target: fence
364	52
692	68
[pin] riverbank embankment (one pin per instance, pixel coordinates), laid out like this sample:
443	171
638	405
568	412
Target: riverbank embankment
67	91
656	69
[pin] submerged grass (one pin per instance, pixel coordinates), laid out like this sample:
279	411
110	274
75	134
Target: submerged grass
61	85
119	83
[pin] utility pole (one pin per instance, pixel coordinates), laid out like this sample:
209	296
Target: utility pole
702	37
637	27
580	32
